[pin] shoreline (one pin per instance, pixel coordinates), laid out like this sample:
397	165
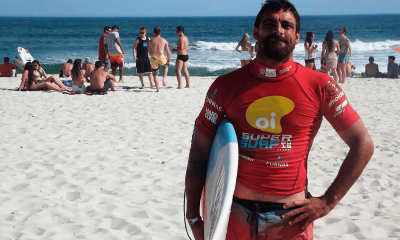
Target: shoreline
113	167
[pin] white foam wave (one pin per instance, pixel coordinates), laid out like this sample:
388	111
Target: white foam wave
221	46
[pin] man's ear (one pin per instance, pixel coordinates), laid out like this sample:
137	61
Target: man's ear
297	37
255	33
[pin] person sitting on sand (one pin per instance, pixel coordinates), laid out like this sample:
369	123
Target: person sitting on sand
349	69
89	67
100	80
78	74
65	69
371	69
393	68
30	81
6	67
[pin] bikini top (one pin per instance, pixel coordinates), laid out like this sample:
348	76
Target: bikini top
343	47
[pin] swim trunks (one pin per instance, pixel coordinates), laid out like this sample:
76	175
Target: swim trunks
158	61
143	66
245	55
76	88
275	124
117	60
107	85
330	59
343	58
263	220
183	58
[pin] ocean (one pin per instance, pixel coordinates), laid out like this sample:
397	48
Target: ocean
212	39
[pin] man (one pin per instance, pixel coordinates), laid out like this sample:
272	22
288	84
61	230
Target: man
65	69
141	56
371	69
89	67
6	67
115	52
102	48
156	48
276	107
100	80
183	57
393	68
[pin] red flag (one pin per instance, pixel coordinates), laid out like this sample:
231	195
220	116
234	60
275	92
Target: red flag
397	49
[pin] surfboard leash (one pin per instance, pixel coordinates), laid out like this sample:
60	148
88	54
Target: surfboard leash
184	212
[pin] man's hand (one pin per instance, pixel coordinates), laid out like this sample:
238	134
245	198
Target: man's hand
309	210
198	230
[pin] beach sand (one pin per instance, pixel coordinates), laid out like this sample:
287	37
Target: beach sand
113	166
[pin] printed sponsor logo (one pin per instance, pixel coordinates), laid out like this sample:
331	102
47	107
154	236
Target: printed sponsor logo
275	164
266	113
331	89
246	158
266	142
211	116
341	108
337	98
214	104
271	73
214	95
285	70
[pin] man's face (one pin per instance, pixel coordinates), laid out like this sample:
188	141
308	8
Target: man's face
276	35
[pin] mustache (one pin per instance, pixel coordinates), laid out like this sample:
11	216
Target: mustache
276	38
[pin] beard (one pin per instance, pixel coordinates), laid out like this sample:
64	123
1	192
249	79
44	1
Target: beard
277	47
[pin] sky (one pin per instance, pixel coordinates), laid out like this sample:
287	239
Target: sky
184	8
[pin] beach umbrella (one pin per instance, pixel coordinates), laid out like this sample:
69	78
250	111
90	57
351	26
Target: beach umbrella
397	49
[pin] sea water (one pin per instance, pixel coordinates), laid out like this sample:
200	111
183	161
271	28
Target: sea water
212	39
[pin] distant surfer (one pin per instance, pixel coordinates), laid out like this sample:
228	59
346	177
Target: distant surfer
100	80
65	69
115	52
182	59
276	107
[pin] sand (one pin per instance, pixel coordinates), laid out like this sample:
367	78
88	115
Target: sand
113	167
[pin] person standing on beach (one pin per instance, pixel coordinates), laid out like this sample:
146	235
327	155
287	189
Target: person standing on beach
102	48
141	56
181	63
6	67
330	48
65	69
157	47
309	49
115	52
246	50
393	68
276	107
344	54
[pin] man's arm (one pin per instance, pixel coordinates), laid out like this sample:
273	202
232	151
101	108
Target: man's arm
111	77
195	178
135	44
361	150
120	45
166	48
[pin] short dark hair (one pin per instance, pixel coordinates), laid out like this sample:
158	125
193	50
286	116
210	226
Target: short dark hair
371	59
69	61
98	64
114	27
392	57
143	28
106	28
180	29
275	6
157	30
6	59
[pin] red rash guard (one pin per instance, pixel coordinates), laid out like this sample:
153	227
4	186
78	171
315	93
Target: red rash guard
276	114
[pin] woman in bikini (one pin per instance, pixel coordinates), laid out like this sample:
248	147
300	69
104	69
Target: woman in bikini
309	49
330	49
344	54
78	75
246	50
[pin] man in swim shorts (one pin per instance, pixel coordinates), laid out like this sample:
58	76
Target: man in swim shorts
115	52
100	80
276	107
183	57
141	56
6	67
157	46
65	69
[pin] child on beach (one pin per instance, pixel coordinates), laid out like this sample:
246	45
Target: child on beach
78	75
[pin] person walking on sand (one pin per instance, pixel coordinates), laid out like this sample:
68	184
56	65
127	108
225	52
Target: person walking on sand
141	56
100	80
6	68
65	69
115	52
344	54
102	48
272	202
330	48
181	63
157	46
309	49
246	50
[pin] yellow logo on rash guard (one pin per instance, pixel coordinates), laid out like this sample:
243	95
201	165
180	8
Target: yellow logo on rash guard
266	113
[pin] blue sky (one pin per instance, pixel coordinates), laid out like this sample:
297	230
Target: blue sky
175	8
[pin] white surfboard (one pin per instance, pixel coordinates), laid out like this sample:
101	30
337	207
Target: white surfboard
25	55
220	182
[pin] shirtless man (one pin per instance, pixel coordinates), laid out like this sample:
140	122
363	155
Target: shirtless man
89	67
371	69
183	57
65	69
98	82
156	49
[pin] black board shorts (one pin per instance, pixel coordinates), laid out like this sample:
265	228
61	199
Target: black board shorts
143	66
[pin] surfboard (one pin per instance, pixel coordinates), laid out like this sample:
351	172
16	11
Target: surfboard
25	55
220	182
